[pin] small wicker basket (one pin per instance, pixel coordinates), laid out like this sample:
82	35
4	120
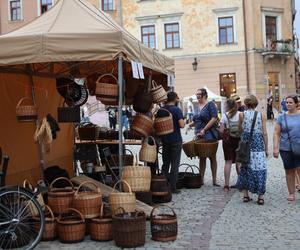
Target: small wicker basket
148	152
39	198
88	202
107	93
142	125
138	178
26	112
206	148
163	125
158	93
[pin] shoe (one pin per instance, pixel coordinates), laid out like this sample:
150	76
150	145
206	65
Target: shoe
176	191
260	201
246	199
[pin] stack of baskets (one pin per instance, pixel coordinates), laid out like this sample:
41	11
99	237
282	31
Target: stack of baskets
106	92
158	93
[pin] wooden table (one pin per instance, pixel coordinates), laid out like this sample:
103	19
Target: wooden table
125	142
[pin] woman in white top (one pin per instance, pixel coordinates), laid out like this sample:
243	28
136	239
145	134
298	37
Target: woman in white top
229	127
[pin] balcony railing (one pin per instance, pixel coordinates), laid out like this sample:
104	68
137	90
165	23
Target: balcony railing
280	47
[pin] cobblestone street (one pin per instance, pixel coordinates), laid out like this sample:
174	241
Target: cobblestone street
208	218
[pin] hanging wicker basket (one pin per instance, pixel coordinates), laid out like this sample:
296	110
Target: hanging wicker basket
121	199
163	125
88	202
60	199
158	93
142	125
163	226
192	179
148	151
71	226
107	93
206	148
26	112
189	148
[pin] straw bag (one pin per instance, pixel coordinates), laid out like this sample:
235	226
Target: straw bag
163	226
158	93
107	92
60	199
148	152
39	198
71	226
142	125
191	179
163	125
88	202
129	229
189	148
101	228
50	229
68	114
26	112
120	199
206	148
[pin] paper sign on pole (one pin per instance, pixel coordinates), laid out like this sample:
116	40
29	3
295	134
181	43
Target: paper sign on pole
141	71
135	71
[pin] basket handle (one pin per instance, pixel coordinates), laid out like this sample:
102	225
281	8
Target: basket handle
163	109
157	206
61	178
153	84
121	208
190	168
111	75
184	164
90	182
101	210
50	210
114	188
75	211
149	137
22	99
128	150
137	213
28	185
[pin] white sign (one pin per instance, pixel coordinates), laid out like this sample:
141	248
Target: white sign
135	71
141	71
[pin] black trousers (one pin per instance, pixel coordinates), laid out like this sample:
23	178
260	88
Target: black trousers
171	154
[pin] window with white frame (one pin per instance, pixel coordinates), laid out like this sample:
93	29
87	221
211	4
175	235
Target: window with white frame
271	25
107	5
226	30
45	5
172	36
148	35
15	10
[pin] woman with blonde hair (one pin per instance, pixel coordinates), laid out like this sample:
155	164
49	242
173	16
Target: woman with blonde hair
253	175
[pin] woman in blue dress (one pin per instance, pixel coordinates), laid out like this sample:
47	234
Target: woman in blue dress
253	176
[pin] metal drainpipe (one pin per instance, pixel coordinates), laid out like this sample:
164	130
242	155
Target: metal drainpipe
246	47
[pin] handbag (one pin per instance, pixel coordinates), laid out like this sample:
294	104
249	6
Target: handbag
243	151
295	147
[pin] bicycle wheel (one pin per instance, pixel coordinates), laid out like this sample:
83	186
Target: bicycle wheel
21	219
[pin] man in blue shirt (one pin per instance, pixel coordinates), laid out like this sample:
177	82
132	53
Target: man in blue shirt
172	143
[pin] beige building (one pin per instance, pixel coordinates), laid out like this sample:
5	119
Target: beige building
230	46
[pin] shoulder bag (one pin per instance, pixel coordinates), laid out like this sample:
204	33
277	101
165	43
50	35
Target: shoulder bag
295	148
243	151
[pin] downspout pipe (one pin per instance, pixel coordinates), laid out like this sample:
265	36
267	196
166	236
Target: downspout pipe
246	47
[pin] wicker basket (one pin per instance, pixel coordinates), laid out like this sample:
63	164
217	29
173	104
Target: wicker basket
60	199
39	198
26	112
101	228
88	202
129	229
163	226
191	179
120	199
158	93
50	229
88	131
71	226
163	125
148	152
206	148
107	93
189	149
138	178
127	159
142	125
181	174
159	185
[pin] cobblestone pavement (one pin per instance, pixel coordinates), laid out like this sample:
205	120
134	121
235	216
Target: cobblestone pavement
208	218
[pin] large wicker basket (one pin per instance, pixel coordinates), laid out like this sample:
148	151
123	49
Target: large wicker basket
163	226
142	125
206	148
101	228
121	199
158	93
189	148
159	185
88	202
60	199
163	125
107	93
71	226
26	112
129	229
138	178
192	179
148	152
39	198
50	229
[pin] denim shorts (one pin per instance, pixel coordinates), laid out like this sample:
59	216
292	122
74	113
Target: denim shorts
289	160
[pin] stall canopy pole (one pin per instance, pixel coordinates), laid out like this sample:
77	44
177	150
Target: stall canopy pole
121	88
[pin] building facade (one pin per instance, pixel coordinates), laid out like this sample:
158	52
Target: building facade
230	46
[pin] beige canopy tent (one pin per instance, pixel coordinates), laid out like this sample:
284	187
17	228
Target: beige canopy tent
73	38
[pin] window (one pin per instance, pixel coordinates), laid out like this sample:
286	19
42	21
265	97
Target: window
15	10
271	28
107	5
172	39
226	30
227	84
148	35
45	5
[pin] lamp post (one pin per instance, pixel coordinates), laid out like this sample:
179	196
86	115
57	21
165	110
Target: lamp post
195	64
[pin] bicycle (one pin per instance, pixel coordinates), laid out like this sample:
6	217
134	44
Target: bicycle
21	216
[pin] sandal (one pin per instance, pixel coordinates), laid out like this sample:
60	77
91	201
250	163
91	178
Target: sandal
216	185
260	201
247	199
291	197
226	188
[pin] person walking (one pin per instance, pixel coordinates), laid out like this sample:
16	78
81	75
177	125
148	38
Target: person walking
204	121
190	110
270	113
253	176
229	127
172	143
112	117
286	136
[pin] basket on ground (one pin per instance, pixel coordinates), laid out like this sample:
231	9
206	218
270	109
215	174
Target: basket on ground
192	179
206	148
39	197
50	229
